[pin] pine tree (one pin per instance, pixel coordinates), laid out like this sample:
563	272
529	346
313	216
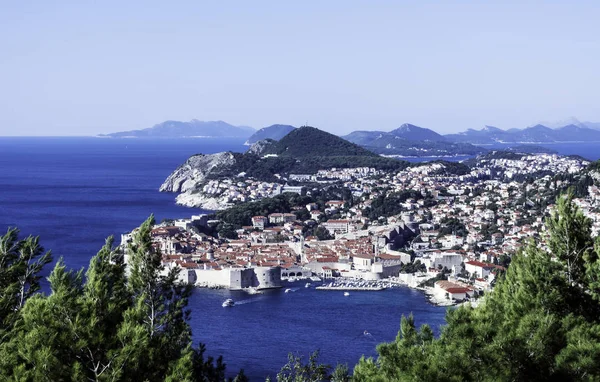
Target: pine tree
159	307
20	264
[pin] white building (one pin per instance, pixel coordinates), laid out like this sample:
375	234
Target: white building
337	226
446	290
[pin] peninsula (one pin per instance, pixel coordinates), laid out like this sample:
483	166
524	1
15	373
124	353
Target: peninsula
267	169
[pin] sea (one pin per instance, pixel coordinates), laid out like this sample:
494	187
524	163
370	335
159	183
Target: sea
74	192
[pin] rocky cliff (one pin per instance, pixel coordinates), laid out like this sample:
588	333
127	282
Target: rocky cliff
260	147
195	170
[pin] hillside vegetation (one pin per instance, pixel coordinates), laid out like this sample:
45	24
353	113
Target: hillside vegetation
305	150
308	141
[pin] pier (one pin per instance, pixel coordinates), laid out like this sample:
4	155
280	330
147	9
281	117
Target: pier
355	288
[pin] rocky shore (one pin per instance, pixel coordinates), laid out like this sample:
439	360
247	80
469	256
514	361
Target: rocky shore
189	177
197	200
195	170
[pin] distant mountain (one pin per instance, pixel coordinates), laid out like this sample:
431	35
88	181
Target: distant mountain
363	137
486	135
565	122
411	140
534	134
307	141
572	121
193	128
578	133
592	125
275	132
416	133
537	133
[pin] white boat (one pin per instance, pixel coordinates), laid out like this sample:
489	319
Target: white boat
227	303
307	285
346	293
315	278
253	290
288	290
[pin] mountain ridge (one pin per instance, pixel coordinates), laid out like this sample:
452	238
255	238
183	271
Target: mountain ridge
193	128
411	140
408	139
533	134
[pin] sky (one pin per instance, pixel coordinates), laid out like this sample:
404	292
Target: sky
88	67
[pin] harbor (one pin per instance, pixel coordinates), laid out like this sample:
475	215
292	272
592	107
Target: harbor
319	319
345	284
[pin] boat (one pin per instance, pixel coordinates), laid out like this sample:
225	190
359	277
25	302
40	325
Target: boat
315	278
346	293
288	290
253	290
227	303
307	285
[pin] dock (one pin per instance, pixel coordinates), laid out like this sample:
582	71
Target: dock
355	288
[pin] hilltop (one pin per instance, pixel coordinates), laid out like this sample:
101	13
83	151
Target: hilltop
308	141
305	150
193	128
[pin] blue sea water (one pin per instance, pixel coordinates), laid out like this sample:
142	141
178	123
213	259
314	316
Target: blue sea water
74	192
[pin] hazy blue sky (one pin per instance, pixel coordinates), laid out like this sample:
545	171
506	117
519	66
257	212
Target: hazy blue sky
81	68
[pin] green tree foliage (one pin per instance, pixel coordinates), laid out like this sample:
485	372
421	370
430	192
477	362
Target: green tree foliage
106	326
312	371
322	233
241	214
450	168
541	322
296	371
20	264
569	238
452	226
413	267
389	204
